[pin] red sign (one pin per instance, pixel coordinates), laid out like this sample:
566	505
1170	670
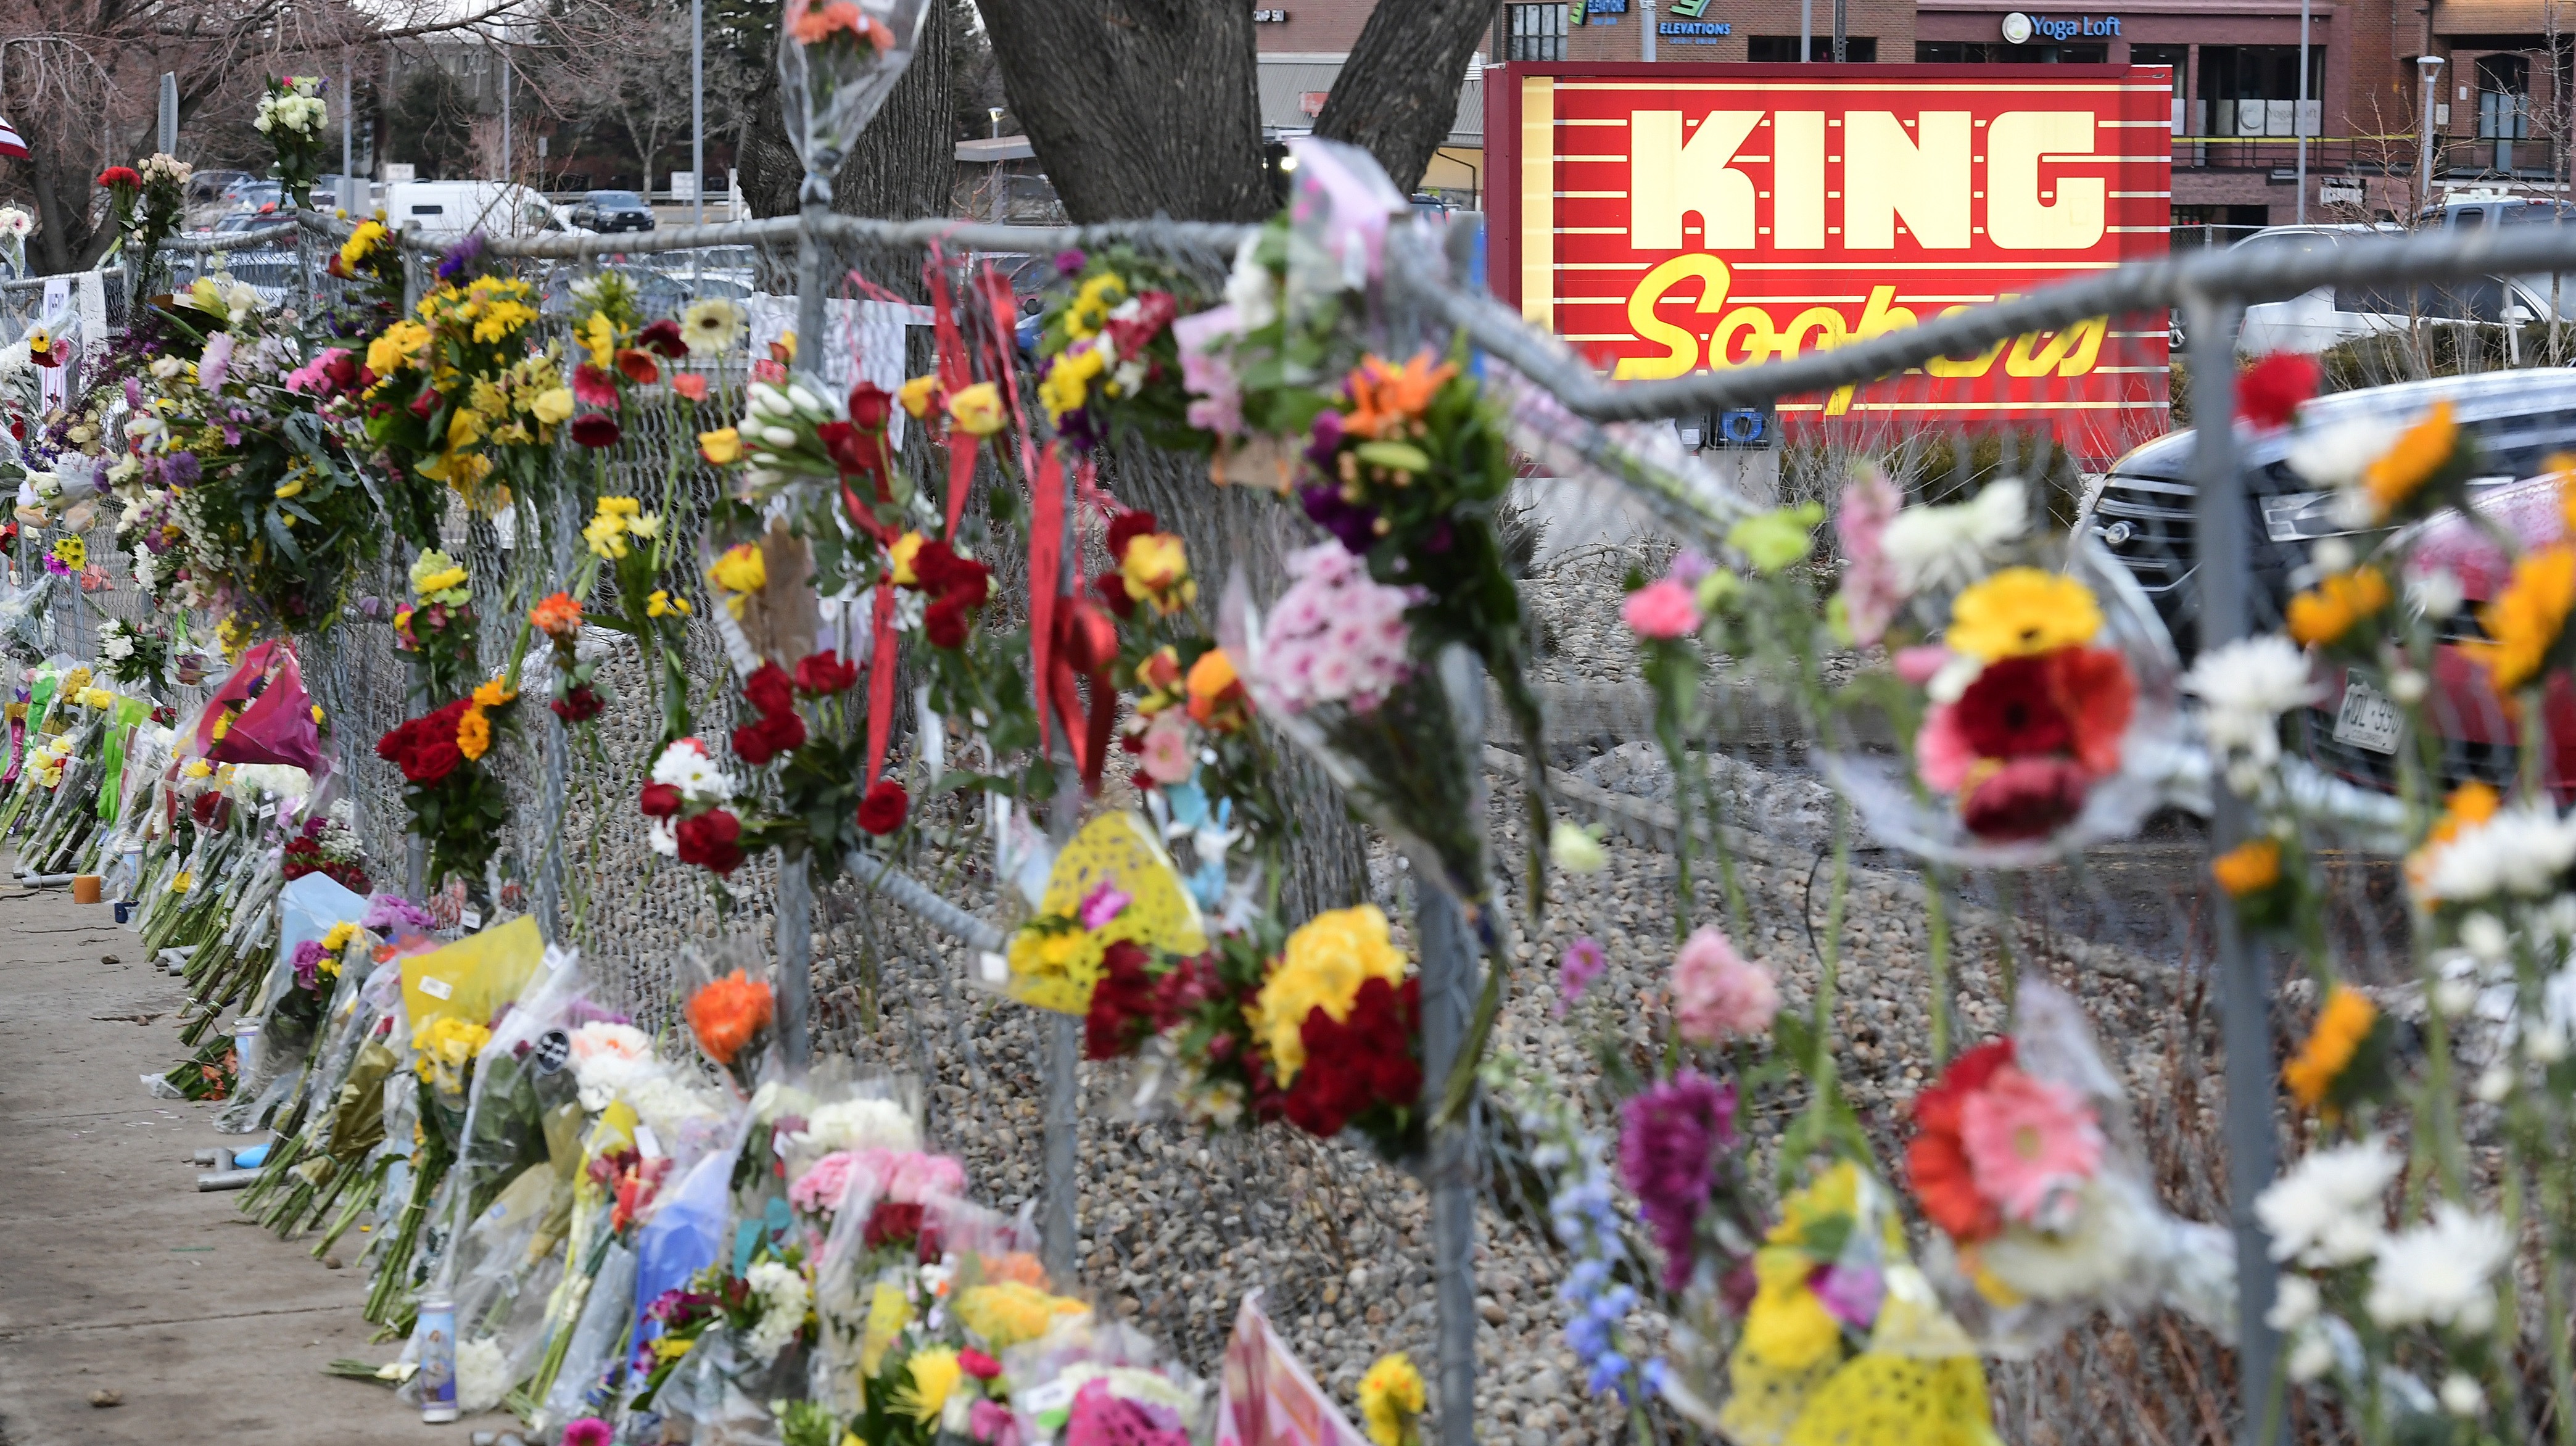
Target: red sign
1672	218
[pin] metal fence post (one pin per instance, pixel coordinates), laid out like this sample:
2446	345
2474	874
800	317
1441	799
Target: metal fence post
2244	982
1449	958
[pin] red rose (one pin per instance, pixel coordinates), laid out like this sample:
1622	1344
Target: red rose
1359	1063
824	672
577	705
2012	712
595	429
2268	393
1112	587
664	337
712	841
977	1364
344	371
426	403
882	810
768	690
1125	528
758	743
857	453
660	800
1122	1003
891	1223
870	407
944	623
2025	799
425	747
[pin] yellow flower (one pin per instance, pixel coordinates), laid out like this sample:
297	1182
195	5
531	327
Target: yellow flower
662	603
1323	966
605	536
620	507
465	427
1011	1313
1391	1400
721	447
977	409
2420	452
1067	384
739	571
2248	868
671	1348
889	1311
1092	304
905	549
648	526
2021	611
2323	614
552	405
446	580
2525	620
598	336
934	1374
474	734
446	1045
340	936
918	394
1157	570
361	244
197	768
493	693
2341	1027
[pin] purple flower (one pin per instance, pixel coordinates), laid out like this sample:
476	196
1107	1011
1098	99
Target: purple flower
1669	1138
1080	428
389	912
462	259
1355	526
1582	964
308	964
180	469
1326	441
1851	1293
134	393
1070	260
216	361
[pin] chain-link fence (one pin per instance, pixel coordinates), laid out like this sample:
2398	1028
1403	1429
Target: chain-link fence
2204	533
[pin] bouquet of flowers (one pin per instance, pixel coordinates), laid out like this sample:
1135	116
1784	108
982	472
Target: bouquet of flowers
162	204
134	655
460	400
294	118
634	545
1108	361
839	60
619	353
2049	710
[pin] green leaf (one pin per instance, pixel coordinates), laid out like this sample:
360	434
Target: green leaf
1402	456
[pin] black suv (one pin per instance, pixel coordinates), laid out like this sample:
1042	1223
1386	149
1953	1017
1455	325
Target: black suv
2142	511
613	211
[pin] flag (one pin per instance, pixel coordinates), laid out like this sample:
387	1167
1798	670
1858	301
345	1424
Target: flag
11	143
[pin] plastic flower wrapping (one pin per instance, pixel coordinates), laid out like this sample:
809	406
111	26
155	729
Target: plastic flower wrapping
840	59
2048	691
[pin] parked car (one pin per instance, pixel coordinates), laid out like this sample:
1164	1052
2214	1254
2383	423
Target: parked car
2316	320
2143	514
606	211
452	208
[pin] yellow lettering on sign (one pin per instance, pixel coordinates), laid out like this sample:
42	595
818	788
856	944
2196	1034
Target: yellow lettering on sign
2016	218
1887	175
1668	180
1680	344
1879	317
2069	353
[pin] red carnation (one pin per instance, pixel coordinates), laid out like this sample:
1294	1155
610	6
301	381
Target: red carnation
595	429
344	370
712	841
1125	528
1937	1162
426	403
577	705
664	337
120	176
2012	712
659	800
2268	393
824	672
882	810
1359	1063
944	622
870	407
977	1364
758	743
1122	1003
2025	799
768	690
891	1223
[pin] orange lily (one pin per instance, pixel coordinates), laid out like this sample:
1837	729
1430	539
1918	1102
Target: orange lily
1384	395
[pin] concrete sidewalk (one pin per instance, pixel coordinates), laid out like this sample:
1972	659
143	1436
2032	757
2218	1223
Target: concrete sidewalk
115	1274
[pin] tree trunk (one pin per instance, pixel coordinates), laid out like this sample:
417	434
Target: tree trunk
904	165
1397	95
1137	107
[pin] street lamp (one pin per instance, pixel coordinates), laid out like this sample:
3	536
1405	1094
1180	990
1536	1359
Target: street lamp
2430	67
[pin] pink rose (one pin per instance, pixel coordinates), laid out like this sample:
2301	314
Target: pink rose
819	1190
909	1177
1662	609
1716	994
1167	758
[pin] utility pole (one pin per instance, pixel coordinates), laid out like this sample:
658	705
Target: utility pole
698	107
506	167
2299	119
1806	31
348	136
169	113
2430	67
1839	28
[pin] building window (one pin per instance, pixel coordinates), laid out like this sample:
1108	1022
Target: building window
1996	52
1537	32
1857	49
2252	89
2504	98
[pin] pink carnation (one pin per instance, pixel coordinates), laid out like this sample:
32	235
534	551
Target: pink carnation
2029	1142
1716	994
1662	609
910	1177
1871	590
819	1190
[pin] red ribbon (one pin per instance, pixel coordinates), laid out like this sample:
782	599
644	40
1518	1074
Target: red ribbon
881	682
1089	646
955	375
1046	580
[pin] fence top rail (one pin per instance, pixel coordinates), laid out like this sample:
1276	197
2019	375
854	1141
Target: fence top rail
2191	281
233	240
778	230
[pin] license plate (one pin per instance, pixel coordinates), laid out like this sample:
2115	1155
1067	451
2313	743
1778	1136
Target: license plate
2368	718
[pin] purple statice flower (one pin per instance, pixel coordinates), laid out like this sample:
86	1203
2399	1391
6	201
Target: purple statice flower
1354	526
1852	1293
388	913
462	259
1575	973
1070	260
1669	1139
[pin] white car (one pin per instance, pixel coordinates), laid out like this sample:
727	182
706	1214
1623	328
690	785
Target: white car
447	210
2314	321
